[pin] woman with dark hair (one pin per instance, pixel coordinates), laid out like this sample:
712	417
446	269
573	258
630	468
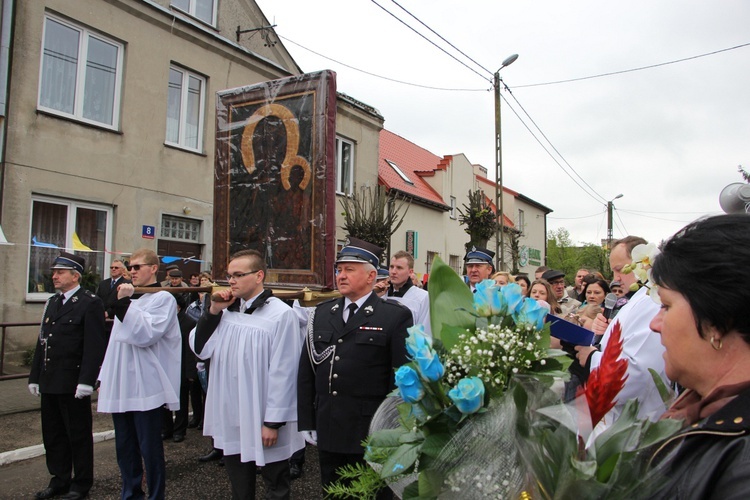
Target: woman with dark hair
594	292
524	282
707	343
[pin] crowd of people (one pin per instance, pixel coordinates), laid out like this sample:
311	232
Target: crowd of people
267	376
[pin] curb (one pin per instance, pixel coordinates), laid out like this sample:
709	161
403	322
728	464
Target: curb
9	457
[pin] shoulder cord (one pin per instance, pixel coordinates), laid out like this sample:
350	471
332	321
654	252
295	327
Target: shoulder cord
42	339
316	357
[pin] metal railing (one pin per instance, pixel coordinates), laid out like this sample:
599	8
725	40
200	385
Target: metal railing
3	327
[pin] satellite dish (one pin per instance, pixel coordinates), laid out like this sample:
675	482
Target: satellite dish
735	198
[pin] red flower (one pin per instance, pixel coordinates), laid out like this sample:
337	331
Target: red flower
607	380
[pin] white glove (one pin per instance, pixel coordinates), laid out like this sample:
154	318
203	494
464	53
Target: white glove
311	437
83	390
34	389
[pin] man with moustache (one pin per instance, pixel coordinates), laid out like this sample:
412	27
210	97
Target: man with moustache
478	265
66	363
353	346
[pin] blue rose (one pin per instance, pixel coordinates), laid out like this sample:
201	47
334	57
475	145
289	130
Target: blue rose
468	395
488	301
429	364
416	340
531	313
409	386
513	296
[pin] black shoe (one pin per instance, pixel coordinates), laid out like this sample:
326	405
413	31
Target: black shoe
211	456
166	435
73	495
194	422
49	492
178	438
295	470
221	461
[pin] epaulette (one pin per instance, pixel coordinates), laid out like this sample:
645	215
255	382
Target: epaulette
89	293
334	299
394	302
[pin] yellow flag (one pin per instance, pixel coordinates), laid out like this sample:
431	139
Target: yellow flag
78	245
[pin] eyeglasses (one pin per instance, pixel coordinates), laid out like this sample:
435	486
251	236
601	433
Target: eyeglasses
557	282
137	267
237	276
115	267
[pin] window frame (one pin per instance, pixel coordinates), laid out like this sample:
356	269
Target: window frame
85	34
340	141
191	11
185	220
453	207
184	94
72	207
521	221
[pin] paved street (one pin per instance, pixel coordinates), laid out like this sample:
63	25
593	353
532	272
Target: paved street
186	478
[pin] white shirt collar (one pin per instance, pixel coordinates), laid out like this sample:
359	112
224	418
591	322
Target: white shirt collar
69	294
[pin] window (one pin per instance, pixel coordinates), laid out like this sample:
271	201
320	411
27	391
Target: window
344	166
179	228
430	257
455	263
453	207
205	10
77	227
81	73
521	221
185	104
400	172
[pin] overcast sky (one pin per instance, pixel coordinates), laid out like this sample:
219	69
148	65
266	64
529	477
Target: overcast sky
668	138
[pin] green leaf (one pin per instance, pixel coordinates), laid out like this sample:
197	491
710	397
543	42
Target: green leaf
401	461
411	437
411	492
664	391
434	444
407	417
386	438
430	483
448	296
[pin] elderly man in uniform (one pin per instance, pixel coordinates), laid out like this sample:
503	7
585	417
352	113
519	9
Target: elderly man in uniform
140	374
353	346
252	339
478	265
66	363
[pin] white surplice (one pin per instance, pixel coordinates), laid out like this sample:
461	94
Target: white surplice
418	302
252	380
141	369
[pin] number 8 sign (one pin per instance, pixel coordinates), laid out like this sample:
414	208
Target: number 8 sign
148	232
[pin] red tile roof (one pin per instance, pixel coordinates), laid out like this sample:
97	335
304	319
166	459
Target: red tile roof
415	162
491	190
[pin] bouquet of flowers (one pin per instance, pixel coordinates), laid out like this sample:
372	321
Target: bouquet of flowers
480	342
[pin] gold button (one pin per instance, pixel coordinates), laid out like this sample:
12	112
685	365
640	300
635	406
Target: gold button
738	420
337	358
719	422
341	341
335	375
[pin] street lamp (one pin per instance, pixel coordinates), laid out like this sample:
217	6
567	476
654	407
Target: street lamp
500	235
610	207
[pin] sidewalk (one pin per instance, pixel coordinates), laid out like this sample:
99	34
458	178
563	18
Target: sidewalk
15	397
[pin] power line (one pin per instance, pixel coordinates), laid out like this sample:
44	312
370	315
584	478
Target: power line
582	217
603	200
617	213
374	74
547	150
443	39
656	218
641	68
430	41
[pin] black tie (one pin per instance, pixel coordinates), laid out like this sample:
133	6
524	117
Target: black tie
112	284
60	301
352	309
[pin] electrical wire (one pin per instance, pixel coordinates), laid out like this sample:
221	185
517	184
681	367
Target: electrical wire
376	75
641	68
430	41
617	213
656	218
441	37
603	200
582	217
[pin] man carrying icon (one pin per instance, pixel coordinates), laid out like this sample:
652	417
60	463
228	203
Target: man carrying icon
140	374
252	340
